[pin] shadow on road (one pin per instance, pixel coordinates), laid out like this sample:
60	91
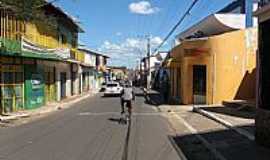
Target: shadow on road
227	143
126	146
154	99
110	96
117	120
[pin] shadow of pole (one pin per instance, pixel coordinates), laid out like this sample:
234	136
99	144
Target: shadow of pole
126	146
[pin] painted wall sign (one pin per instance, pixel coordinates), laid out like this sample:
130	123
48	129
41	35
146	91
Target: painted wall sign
36	81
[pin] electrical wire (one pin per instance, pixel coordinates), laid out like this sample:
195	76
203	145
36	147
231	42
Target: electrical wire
176	25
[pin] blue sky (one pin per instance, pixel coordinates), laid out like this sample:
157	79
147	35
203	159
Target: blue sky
118	27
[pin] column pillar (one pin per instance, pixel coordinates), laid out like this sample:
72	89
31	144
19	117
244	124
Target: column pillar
57	83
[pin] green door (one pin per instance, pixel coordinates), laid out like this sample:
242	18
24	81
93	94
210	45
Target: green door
34	87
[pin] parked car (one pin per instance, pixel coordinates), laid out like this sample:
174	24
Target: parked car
113	88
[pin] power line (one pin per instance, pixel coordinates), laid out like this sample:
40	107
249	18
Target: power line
177	24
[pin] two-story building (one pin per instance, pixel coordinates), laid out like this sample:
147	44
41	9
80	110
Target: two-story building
89	70
101	66
37	59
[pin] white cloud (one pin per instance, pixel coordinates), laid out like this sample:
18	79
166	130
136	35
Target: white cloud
156	40
127	52
143	7
119	34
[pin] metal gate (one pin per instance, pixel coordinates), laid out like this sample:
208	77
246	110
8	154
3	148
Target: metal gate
11	86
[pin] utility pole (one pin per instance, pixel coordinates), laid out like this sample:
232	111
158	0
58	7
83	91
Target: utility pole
149	62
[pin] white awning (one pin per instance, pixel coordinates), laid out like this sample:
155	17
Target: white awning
216	24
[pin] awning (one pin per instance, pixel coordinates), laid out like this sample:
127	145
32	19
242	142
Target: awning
215	24
13	48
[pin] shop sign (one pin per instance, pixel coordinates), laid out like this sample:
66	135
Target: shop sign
28	46
196	52
36	81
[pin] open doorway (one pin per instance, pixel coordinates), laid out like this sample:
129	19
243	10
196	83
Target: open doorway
199	84
63	84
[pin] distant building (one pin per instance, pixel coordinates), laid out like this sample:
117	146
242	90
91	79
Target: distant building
117	72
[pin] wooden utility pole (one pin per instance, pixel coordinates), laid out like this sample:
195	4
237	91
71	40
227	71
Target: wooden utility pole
149	62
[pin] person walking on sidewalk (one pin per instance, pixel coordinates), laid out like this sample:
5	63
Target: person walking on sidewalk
127	96
165	87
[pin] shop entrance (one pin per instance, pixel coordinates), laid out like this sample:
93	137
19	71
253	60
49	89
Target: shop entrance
63	78
50	90
85	81
199	84
11	87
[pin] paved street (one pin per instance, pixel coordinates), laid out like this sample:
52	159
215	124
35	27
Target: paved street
90	131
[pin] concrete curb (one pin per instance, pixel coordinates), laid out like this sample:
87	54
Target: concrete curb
58	106
13	117
209	115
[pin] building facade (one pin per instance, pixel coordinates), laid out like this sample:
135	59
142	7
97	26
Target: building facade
262	120
40	62
215	69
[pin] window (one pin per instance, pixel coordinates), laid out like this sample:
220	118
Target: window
111	85
62	39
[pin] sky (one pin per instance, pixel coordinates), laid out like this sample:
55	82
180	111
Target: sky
119	28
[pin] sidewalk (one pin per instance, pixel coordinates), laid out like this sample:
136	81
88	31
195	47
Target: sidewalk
50	107
242	122
199	137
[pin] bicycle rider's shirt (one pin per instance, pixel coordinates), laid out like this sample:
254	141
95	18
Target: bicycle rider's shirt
127	94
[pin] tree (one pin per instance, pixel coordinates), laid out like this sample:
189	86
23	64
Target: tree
31	10
25	9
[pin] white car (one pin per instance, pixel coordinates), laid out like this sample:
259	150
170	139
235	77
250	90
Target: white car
113	88
103	87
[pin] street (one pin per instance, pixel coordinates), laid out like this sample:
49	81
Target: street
90	130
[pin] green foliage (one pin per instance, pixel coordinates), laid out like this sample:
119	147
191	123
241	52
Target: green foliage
25	9
30	10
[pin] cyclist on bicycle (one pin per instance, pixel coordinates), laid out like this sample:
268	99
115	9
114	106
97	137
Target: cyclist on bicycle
127	96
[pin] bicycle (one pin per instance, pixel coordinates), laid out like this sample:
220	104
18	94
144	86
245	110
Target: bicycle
125	118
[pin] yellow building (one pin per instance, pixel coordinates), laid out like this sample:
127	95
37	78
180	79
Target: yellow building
214	69
34	58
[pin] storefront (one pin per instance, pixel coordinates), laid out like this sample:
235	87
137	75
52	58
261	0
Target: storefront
86	71
50	89
34	86
49	79
11	85
63	80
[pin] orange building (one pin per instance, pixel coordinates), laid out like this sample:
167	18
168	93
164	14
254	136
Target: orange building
214	69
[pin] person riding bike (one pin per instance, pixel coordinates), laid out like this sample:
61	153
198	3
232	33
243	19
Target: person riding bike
127	96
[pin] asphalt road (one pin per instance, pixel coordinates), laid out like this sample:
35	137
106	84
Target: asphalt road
90	131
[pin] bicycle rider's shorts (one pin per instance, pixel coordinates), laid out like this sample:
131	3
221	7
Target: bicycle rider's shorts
128	103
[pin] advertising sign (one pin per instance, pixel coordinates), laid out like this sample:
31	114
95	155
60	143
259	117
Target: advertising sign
28	46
